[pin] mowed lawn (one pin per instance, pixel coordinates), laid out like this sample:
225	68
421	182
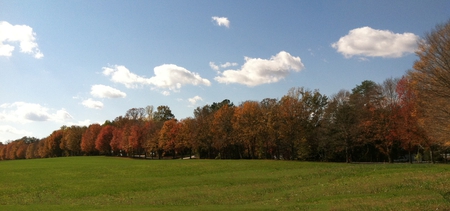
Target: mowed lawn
111	183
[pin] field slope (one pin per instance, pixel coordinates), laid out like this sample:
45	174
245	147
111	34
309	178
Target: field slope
109	183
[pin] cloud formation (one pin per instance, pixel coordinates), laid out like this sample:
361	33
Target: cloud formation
21	34
89	103
214	66
228	64
258	71
167	76
102	91
369	42
221	21
194	100
217	67
13	130
22	112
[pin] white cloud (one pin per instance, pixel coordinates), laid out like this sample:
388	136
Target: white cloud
194	100
214	66
370	42
102	91
12	130
30	112
85	122
228	64
221	21
120	74
258	71
167	76
217	67
22	34
89	103
172	77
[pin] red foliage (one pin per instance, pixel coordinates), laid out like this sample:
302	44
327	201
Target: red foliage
103	141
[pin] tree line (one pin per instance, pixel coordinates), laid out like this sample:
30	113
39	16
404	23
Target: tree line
400	118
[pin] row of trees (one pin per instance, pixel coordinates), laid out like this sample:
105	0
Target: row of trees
372	122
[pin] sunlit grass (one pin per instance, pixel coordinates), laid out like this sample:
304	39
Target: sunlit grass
109	183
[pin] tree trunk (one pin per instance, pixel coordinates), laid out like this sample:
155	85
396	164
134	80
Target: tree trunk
346	155
409	157
389	155
431	156
445	156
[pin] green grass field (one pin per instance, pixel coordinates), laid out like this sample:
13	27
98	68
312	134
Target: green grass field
109	183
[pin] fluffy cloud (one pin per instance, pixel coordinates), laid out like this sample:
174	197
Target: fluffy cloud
172	77
12	130
258	71
370	42
22	34
102	91
167	76
214	66
221	21
89	103
30	112
120	74
194	100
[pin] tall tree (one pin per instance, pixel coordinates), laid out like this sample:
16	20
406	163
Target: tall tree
431	79
53	142
246	123
103	141
186	135
71	141
203	136
136	138
168	136
410	130
163	113
385	119
89	137
222	130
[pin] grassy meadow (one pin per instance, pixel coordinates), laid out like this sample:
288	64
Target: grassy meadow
110	183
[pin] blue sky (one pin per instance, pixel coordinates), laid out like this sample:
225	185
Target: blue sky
83	62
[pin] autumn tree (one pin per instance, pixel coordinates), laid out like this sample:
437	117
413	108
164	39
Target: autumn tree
246	123
151	135
168	136
300	113
71	140
103	141
135	113
271	126
341	126
52	144
89	137
2	151
410	129
222	130
203	136
365	99
31	150
21	148
11	149
116	140
385	119
431	79
186	136
163	113
136	138
42	148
